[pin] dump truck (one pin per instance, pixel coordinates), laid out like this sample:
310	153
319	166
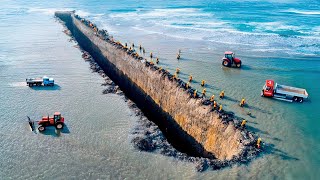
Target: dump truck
41	81
283	92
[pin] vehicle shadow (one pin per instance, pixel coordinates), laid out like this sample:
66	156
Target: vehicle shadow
245	67
46	88
52	131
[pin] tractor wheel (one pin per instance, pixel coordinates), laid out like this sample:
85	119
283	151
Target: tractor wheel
262	94
238	65
225	63
59	125
41	128
295	98
300	100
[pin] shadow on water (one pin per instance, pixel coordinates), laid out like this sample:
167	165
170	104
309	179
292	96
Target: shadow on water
274	138
183	59
184	74
46	88
211	87
252	122
258	109
52	131
270	149
230	99
256	130
252	116
246	67
247	106
163	64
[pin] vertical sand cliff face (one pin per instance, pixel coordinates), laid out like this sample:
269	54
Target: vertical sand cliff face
171	105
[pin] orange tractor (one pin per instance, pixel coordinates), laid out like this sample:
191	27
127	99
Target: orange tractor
56	120
229	59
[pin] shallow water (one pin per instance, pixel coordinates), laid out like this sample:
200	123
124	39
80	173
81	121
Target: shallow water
97	145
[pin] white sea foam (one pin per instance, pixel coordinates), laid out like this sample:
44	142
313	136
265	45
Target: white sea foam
51	11
274	26
316	31
195	24
82	13
18	84
161	13
303	12
47	11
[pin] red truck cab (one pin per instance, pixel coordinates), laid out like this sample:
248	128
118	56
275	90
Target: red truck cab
268	89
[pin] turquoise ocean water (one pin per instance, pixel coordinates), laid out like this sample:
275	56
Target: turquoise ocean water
277	40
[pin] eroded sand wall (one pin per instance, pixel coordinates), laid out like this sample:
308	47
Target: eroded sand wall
175	112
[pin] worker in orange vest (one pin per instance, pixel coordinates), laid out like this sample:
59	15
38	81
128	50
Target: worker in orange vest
202	82
243	123
212	98
204	92
190	78
259	143
195	93
242	103
214	105
222	94
188	85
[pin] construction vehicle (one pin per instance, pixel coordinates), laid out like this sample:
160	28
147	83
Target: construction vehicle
56	120
229	60
282	92
41	81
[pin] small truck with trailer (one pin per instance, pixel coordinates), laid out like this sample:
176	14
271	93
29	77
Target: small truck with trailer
282	92
41	81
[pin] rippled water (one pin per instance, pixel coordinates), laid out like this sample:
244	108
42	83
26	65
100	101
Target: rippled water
275	39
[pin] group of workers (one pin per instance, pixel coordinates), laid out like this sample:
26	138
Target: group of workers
242	102
215	105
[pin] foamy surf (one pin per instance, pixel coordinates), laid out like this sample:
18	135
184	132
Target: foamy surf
18	84
50	11
303	12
